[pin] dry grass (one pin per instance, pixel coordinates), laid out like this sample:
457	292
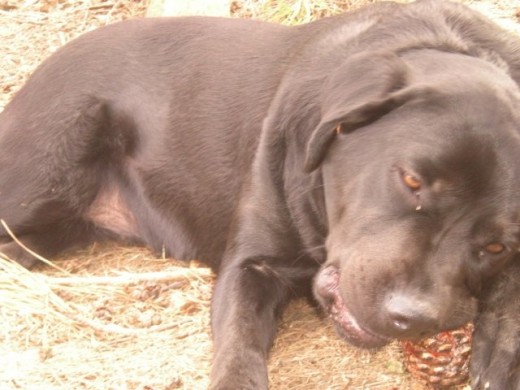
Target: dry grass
108	318
293	12
114	317
30	30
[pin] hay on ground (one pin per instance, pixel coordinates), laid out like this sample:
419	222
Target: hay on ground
113	317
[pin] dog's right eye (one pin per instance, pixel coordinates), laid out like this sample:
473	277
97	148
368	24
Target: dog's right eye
411	181
411	184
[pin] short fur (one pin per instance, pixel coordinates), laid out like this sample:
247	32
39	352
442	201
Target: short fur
371	158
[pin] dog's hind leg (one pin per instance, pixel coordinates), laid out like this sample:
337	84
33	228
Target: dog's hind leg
52	166
48	241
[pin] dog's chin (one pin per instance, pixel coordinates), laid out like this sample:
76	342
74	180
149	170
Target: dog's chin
326	288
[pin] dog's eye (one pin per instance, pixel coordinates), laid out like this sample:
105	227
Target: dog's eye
411	181
495	248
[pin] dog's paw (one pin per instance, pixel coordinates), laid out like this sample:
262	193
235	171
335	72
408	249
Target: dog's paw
15	252
495	363
238	368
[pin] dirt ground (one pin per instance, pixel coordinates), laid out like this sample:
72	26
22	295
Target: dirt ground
114	317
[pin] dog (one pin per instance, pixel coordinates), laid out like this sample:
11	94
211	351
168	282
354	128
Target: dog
371	159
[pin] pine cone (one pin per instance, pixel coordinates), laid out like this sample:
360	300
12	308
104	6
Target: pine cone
441	360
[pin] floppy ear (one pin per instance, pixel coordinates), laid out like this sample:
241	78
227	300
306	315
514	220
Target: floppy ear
365	88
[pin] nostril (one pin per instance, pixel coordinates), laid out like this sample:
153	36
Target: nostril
400	319
400	322
407	314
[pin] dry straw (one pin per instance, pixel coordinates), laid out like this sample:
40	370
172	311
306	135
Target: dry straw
60	329
113	317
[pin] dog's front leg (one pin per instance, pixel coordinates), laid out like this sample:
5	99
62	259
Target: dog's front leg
247	302
259	276
264	266
495	361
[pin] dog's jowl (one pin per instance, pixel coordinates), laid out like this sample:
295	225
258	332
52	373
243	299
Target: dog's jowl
371	159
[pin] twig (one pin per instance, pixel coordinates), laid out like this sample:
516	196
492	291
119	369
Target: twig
101	5
31	252
26	17
117	329
181	273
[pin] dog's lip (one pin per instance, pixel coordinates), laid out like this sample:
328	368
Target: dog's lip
327	289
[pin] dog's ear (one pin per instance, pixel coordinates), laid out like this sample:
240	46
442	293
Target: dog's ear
365	88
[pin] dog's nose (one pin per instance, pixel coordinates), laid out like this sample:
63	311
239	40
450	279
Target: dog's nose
410	315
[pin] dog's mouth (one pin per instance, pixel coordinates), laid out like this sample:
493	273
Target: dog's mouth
326	288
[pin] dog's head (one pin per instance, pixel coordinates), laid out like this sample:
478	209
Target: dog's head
420	161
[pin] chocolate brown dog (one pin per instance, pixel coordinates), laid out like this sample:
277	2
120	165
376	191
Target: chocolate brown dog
372	158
